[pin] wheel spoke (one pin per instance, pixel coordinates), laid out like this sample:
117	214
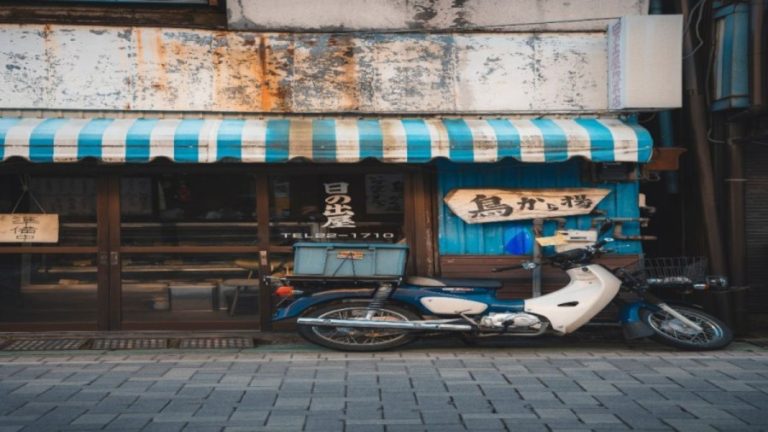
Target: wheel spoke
667	325
360	336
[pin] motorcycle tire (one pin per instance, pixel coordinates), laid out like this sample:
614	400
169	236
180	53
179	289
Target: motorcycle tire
358	339
670	331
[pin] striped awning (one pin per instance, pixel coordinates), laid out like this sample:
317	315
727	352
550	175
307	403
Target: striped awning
401	140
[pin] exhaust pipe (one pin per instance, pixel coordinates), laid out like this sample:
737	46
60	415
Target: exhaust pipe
396	325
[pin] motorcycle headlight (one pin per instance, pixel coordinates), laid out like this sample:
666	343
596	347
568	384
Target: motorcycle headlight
717	282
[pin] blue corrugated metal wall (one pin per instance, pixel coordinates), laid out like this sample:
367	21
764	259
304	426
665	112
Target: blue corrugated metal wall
731	69
459	238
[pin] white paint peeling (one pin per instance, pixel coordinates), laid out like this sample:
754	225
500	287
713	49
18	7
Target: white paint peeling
388	15
571	73
23	66
494	73
160	70
74	57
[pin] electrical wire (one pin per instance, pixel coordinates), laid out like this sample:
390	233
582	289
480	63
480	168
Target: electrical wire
712	140
697	9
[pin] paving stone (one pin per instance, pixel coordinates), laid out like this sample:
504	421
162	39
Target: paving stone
97	419
163	427
446	390
129	421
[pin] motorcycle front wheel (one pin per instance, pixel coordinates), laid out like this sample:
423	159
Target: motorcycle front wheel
671	331
355	338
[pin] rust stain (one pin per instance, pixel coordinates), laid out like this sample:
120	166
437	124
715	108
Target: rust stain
266	98
236	74
160	81
351	97
49	41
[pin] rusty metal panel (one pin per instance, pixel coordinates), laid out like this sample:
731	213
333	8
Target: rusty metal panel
411	72
570	73
252	72
174	70
23	66
153	69
89	68
327	73
495	72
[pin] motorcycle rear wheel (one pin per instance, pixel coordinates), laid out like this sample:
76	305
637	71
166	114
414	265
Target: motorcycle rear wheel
358	339
671	331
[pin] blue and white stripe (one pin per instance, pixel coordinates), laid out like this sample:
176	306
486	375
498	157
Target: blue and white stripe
344	140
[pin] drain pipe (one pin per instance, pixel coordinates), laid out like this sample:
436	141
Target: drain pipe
697	112
666	130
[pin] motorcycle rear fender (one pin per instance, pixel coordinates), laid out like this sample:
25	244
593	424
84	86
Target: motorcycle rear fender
629	316
301	304
408	297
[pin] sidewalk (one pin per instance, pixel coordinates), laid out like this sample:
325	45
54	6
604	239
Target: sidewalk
438	386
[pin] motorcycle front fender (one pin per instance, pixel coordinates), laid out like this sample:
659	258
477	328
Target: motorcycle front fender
629	316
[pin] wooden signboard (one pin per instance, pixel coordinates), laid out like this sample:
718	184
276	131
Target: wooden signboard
29	228
499	205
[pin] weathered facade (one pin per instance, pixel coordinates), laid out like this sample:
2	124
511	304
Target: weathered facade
182	161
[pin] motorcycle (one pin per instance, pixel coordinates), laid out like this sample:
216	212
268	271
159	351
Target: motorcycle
391	315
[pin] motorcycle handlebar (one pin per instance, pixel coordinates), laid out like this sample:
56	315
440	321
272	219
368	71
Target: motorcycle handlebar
528	265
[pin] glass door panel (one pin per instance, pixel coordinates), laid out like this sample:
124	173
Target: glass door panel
51	282
72	198
48	288
189	249
187	210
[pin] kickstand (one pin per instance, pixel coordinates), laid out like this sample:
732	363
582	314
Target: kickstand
467	339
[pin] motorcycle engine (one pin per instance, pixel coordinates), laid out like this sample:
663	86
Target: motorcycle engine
511	320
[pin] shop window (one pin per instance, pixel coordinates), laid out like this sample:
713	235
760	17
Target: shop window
337	208
180	209
190	287
71	199
47	288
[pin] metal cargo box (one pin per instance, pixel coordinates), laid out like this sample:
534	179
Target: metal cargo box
349	260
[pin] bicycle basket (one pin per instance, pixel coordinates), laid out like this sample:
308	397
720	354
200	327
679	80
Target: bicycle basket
673	270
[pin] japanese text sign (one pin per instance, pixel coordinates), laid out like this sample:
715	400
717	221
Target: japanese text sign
498	205
338	208
29	228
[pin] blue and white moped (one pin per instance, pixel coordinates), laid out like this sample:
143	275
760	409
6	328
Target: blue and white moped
391	315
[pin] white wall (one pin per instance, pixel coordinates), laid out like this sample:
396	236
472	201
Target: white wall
387	15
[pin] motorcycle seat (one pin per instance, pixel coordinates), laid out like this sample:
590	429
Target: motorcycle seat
450	282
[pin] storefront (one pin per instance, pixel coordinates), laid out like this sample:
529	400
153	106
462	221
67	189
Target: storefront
157	217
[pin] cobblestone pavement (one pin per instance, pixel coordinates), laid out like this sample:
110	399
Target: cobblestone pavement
441	389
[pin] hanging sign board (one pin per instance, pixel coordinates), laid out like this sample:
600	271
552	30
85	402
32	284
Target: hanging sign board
499	205
29	228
